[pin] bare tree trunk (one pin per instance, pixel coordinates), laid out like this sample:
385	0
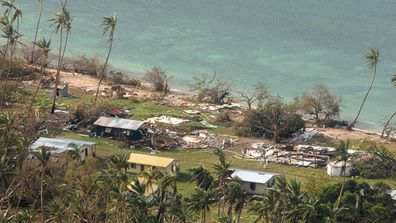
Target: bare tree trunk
38	86
5	55
41	195
8	74
64	47
103	70
342	185
387	123
353	123
37	28
57	72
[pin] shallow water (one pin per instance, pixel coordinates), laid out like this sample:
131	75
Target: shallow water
291	45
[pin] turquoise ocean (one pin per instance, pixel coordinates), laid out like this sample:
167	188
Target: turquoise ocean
291	45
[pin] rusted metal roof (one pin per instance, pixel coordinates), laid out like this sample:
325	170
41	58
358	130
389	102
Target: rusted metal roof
119	123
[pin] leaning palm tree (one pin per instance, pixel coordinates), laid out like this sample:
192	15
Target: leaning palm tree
393	80
67	26
201	201
109	25
43	156
372	59
58	23
45	48
37	28
12	37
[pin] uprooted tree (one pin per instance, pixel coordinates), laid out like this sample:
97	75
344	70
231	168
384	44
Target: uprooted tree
158	78
257	94
275	119
320	103
378	163
211	89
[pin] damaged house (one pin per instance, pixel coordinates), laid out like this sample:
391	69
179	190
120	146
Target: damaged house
119	128
59	149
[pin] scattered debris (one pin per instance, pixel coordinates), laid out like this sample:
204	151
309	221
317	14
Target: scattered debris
192	112
166	120
205	123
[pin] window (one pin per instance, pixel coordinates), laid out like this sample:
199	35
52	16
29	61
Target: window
133	166
107	130
271	183
252	186
86	151
142	167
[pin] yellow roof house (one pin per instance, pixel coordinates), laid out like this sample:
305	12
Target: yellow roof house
141	162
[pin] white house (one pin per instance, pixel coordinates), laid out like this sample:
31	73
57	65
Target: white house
334	168
58	147
255	182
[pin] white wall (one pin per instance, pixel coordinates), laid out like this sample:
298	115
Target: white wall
336	171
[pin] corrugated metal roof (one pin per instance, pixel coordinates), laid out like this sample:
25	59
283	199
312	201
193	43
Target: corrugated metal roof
253	176
150	160
120	123
59	145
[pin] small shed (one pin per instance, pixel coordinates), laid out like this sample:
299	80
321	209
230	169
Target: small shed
255	182
58	147
334	168
119	128
63	91
141	162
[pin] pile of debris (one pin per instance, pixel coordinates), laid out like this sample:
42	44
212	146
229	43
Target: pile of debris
166	120
301	155
202	139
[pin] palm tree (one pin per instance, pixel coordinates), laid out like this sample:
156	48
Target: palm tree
37	28
201	201
231	193
393	80
150	177
119	161
372	59
201	176
222	169
45	48
12	37
342	152
264	206
59	24
109	25
74	152
162	183
67	26
43	156
241	200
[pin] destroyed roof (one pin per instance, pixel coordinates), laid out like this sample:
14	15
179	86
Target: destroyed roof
253	176
59	145
118	123
150	160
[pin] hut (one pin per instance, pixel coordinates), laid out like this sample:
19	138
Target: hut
334	168
255	182
119	128
63	91
141	162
